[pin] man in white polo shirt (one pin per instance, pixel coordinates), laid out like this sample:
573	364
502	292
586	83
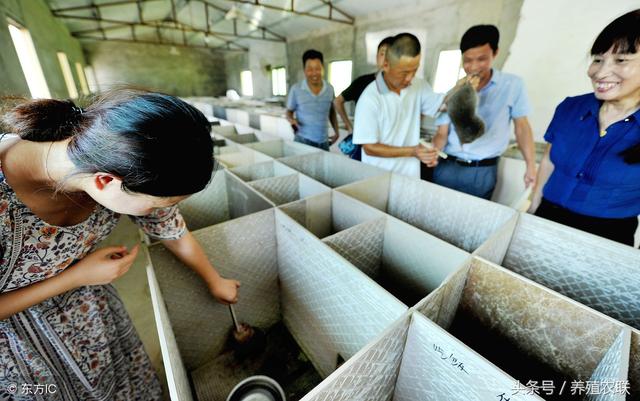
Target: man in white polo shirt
387	118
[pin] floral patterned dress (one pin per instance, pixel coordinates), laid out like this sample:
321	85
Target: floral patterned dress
79	345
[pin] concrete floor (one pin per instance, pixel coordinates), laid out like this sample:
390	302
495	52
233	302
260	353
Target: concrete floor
134	291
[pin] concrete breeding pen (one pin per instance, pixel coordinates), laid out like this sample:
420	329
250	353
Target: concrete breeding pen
361	284
259	171
330	169
224	146
415	359
288	188
331	309
424	247
226	197
241	134
243	157
599	273
595	272
278	182
280	148
406	261
516	324
462	220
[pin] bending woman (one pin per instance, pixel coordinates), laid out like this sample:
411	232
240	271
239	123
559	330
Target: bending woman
590	171
64	181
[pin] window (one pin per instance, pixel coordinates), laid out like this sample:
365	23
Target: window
279	81
91	79
449	70
82	78
246	82
29	61
340	75
68	76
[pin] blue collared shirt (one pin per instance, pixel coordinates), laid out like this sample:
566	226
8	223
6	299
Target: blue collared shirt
312	111
589	176
501	100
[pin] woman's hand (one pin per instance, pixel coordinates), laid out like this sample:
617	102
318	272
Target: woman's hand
225	290
189	251
102	266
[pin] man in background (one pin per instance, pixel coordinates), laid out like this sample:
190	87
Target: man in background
473	167
387	118
310	105
353	92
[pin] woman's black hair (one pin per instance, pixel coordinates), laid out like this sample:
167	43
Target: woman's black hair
157	144
623	35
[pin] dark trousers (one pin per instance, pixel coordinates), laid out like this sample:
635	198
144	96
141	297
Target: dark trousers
426	173
620	230
323	146
478	181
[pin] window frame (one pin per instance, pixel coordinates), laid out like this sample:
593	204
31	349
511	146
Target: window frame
449	83
28	60
338	89
246	91
275	90
67	74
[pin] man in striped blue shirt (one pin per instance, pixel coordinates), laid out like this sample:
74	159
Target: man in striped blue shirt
312	102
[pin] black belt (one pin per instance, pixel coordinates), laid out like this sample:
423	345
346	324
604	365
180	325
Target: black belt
474	163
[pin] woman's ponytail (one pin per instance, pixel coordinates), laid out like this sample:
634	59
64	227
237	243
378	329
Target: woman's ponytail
156	144
44	120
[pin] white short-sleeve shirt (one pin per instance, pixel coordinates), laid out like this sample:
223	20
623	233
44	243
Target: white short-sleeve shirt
383	116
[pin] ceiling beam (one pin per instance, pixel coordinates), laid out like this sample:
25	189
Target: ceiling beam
94	6
339	10
346	18
139	6
166	43
233	35
161	24
245	19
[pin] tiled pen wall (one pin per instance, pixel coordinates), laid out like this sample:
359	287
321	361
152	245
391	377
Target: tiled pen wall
427	293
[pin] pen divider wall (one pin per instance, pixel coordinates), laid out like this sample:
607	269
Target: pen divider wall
527	330
280	148
331	169
226	197
258	171
288	188
462	220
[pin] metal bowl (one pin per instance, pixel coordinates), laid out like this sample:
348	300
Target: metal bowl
257	388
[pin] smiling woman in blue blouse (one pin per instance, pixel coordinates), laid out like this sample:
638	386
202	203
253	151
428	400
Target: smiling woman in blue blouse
589	177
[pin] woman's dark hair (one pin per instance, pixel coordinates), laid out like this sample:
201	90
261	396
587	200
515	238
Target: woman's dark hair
157	144
623	35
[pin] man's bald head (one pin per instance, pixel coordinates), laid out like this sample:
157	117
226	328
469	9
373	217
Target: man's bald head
403	45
